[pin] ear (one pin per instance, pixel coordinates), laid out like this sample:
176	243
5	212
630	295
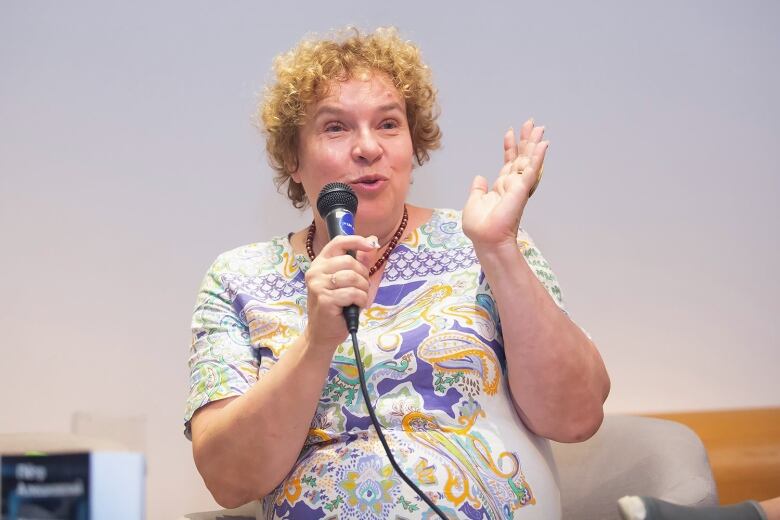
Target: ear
291	165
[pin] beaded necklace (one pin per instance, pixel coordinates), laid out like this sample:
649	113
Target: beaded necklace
382	259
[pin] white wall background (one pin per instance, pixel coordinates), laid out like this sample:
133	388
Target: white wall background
128	162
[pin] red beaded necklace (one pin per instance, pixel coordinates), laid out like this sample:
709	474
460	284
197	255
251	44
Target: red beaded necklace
382	259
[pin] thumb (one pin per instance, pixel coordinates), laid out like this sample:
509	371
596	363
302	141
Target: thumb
479	187
366	256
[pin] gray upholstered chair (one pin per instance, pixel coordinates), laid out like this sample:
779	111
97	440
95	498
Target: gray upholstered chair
629	455
633	455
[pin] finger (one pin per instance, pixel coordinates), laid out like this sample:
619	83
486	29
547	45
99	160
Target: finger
525	130
535	166
538	155
326	266
506	169
341	244
346	296
479	186
530	165
366	258
499	187
517	188
346	278
525	134
538	180
530	149
520	164
510	148
342	282
536	134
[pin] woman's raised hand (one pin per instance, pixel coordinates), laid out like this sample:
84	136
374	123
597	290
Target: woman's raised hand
336	280
491	216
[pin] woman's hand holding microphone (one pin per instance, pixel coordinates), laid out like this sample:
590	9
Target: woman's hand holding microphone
336	280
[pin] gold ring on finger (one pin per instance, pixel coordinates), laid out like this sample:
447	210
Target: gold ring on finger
521	165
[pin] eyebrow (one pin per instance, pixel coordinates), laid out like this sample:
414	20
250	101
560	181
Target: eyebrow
332	109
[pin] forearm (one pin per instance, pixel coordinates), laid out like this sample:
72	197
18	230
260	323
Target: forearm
556	376
245	448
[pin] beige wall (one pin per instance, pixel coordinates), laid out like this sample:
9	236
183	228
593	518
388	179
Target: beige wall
128	162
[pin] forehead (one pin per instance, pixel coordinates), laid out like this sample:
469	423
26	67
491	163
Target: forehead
361	87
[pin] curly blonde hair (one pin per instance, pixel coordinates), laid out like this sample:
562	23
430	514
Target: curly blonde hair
305	74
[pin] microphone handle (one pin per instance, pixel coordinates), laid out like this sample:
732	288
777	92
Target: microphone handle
340	222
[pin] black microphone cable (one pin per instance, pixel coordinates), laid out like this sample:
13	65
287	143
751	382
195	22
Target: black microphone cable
378	428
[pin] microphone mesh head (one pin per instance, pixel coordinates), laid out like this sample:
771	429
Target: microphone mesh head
336	195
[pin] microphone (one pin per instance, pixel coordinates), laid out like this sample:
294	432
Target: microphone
337	204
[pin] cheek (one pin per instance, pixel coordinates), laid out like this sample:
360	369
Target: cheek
408	153
333	154
325	155
316	161
410	149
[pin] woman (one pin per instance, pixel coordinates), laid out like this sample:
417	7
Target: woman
465	399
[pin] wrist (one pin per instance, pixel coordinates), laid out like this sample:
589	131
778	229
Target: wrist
503	264
506	250
316	347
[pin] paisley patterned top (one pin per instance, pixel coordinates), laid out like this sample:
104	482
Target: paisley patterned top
435	369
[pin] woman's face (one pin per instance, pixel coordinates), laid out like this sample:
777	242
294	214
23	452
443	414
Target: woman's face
359	135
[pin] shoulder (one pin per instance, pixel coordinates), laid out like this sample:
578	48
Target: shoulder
254	259
442	215
443	230
262	271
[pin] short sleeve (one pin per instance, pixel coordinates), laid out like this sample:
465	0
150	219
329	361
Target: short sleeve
540	267
222	361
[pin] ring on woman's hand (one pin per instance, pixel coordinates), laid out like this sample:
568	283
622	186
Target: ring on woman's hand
333	281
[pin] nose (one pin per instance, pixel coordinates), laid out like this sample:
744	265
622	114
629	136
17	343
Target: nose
366	148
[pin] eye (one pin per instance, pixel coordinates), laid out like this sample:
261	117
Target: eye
334	126
389	124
